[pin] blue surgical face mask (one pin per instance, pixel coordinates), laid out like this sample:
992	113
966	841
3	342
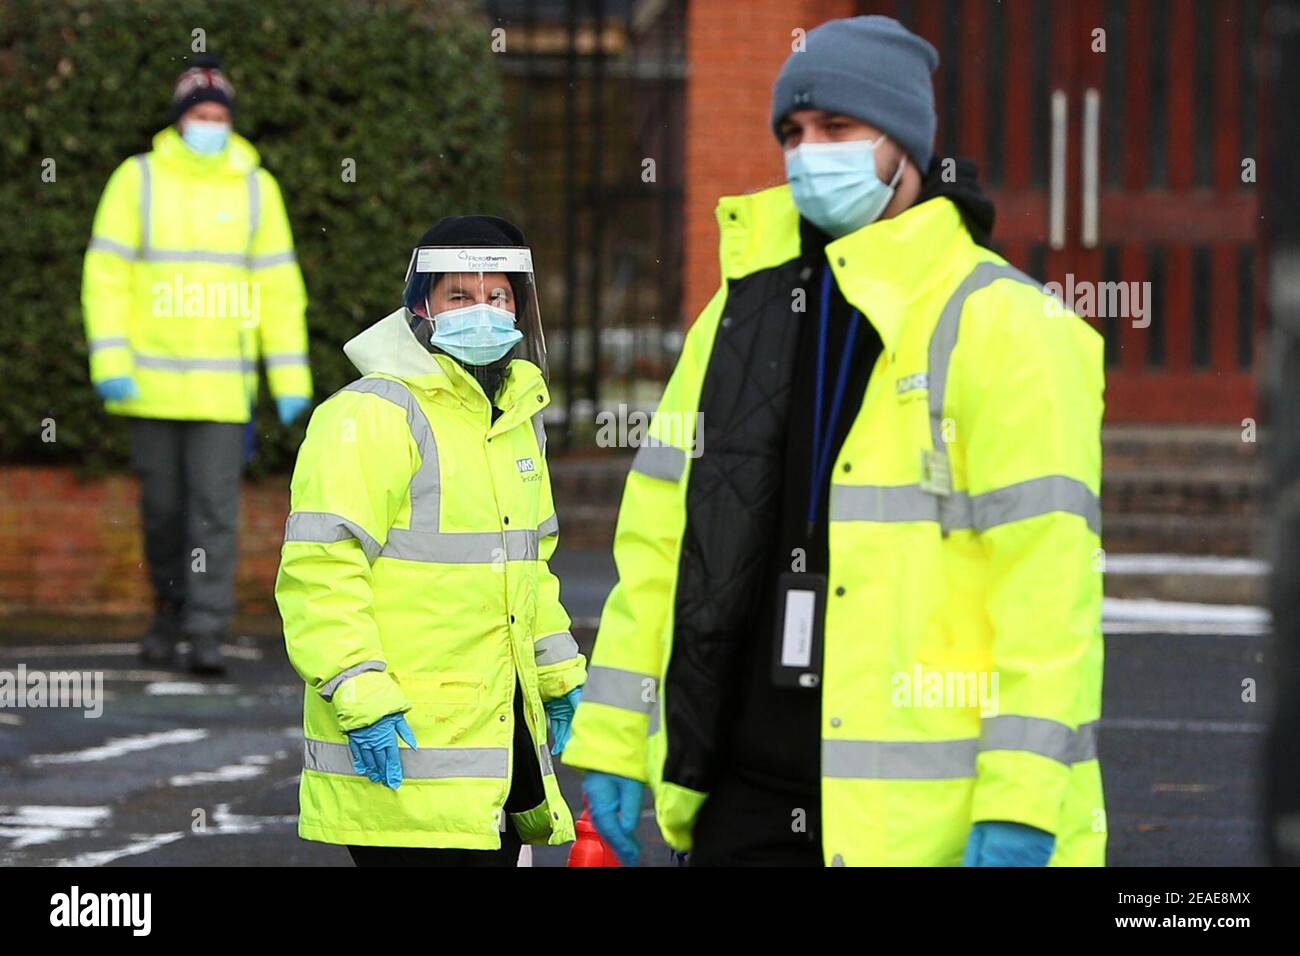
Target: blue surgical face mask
205	137
477	334
835	185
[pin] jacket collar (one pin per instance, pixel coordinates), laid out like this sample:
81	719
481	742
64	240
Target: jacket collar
881	268
239	158
390	347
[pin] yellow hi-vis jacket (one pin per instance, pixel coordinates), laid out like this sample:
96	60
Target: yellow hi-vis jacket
414	579
190	275
963	547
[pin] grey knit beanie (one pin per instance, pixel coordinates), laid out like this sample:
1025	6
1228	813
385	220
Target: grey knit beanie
871	68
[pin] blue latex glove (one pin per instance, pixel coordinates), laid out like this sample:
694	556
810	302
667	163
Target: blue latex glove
290	407
559	713
375	753
615	804
117	389
997	843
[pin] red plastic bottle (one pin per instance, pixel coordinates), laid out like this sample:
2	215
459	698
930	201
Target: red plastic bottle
589	849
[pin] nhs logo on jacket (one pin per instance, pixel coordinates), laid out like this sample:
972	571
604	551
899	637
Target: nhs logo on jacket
525	465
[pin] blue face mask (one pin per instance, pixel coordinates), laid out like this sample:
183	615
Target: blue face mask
835	185
477	334
204	137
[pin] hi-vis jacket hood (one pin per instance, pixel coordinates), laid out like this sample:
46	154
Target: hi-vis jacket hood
963	544
389	347
190	276
237	160
414	580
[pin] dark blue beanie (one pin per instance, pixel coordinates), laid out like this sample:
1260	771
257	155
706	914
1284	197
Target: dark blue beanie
871	68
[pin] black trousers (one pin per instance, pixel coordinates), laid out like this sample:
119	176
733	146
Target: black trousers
189	507
526	792
751	821
508	855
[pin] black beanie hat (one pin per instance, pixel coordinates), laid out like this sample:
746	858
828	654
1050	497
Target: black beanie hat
202	82
471	231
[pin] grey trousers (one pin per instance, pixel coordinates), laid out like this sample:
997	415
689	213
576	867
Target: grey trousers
189	504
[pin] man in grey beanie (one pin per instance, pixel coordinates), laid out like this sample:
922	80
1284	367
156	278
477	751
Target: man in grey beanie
898	505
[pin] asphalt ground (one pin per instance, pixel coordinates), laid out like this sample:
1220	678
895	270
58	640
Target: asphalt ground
186	771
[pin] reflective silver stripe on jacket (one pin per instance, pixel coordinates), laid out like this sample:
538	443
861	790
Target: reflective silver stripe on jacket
195	255
1025	499
102	244
539	431
1047	738
548	527
942	342
276	361
322	527
544	757
660	461
109	342
146	202
626	690
555	649
427	763
955	759
460	547
274	259
425	484
330	686
254	209
167	363
944	338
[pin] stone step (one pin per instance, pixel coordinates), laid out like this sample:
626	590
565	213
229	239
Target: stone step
1128	446
1193	490
1210	579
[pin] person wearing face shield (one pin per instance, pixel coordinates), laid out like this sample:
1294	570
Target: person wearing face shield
414	585
190	277
858	615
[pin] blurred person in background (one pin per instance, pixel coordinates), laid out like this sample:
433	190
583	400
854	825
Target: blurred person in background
418	604
190	275
876	463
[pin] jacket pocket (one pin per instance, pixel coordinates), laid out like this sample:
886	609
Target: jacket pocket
447	708
448	689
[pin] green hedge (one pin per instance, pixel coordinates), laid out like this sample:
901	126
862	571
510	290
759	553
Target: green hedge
409	90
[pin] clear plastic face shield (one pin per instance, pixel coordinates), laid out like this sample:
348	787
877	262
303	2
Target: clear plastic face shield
478	305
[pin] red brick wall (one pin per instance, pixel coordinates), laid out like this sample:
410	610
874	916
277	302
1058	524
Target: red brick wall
70	547
735	51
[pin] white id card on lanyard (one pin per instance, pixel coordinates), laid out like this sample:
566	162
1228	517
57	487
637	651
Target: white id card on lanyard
800	613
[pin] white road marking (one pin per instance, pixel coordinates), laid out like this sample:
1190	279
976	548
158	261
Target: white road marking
118	746
225	823
143	844
247	769
34	825
187	689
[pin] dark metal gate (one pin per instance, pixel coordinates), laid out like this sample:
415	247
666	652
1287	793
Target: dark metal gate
595	101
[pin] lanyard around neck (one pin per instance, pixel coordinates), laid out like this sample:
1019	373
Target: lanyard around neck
823	443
